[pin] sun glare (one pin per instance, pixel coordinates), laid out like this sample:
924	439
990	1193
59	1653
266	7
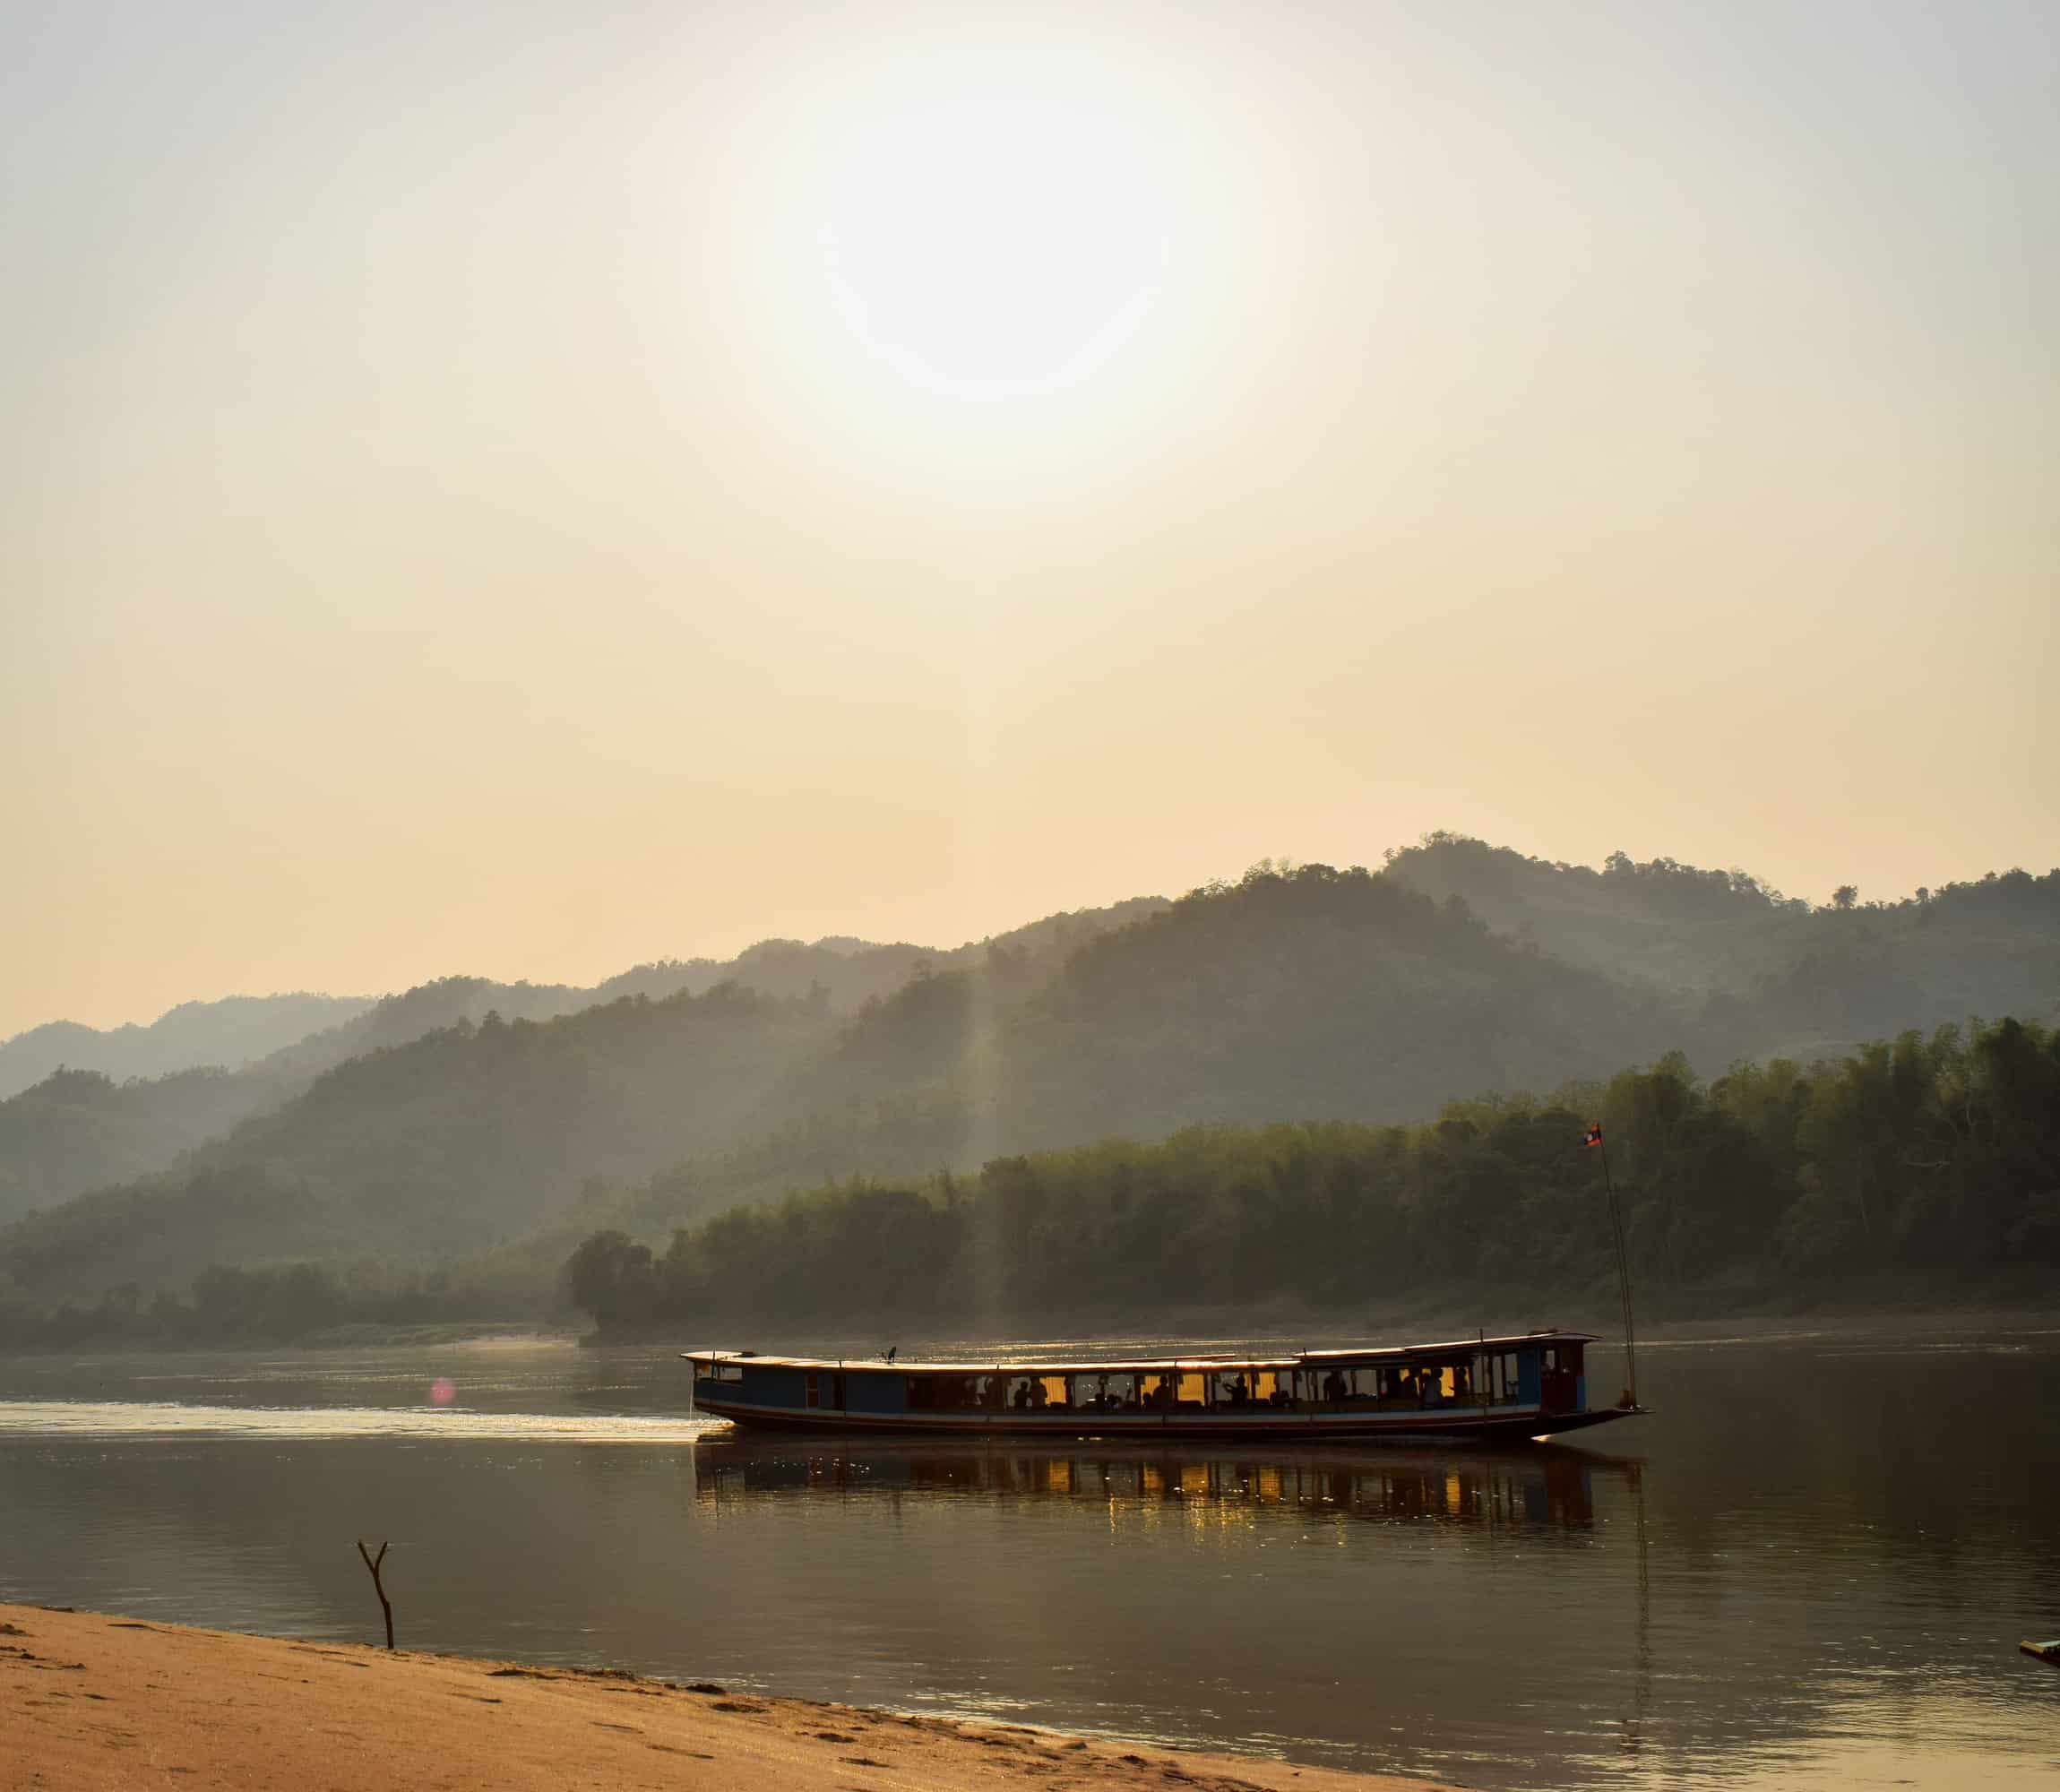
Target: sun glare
974	250
995	246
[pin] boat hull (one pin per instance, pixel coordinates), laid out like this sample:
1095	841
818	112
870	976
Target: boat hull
1288	1428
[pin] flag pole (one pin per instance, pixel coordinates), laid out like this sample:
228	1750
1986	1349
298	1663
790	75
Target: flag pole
1623	1272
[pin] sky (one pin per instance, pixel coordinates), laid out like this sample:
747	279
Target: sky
527	487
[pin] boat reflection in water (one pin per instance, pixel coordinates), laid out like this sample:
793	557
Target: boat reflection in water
1541	1484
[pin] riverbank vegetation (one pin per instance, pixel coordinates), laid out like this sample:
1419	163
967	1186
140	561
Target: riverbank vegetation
1933	1162
451	1171
1929	1165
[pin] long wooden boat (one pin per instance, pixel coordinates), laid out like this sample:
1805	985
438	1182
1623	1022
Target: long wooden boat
1531	1385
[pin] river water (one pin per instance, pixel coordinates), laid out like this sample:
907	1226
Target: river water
1809	1569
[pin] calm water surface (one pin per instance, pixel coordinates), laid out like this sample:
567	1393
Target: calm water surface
1809	1570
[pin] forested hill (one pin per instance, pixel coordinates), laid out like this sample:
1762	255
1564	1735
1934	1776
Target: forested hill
1917	1169
1768	972
438	1149
1319	993
1297	995
1925	1167
230	1031
75	1131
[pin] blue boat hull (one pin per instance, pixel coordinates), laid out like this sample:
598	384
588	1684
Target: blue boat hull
1288	1428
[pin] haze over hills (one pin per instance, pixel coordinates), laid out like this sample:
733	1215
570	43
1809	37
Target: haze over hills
83	1130
231	1031
303	1033
464	1118
1770	973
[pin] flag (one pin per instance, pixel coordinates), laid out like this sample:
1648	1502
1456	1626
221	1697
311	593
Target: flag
1594	1135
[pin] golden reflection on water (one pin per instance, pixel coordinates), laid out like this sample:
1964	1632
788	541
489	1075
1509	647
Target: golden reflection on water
1203	1488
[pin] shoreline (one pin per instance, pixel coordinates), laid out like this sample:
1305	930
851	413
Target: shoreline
98	1700
1713	1321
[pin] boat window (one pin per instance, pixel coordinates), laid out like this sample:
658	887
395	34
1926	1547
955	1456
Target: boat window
1194	1389
1432	1383
1503	1375
815	1389
1115	1392
1336	1384
1036	1393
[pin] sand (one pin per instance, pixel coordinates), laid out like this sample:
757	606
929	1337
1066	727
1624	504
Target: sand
90	1701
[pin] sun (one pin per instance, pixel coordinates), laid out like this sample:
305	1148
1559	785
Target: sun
995	242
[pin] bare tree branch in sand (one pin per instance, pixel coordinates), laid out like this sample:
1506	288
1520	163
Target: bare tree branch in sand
372	1564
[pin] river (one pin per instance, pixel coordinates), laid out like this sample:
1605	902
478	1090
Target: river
1809	1568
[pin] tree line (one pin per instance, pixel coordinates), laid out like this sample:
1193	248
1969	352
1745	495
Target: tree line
271	1303
1924	1164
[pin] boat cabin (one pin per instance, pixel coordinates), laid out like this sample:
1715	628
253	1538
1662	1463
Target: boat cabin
1472	1384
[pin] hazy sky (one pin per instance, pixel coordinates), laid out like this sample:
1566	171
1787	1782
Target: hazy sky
526	488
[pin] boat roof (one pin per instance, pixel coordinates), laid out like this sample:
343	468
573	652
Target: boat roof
1021	1365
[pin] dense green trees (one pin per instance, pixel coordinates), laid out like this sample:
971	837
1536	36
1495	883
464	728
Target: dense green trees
411	1122
1757	974
79	1130
1922	1166
1303	994
1931	1162
276	1304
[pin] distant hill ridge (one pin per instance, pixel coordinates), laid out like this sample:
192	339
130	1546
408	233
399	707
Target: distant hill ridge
467	1118
62	1136
1764	972
229	1031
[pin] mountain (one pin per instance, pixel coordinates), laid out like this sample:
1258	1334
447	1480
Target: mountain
1765	974
444	1146
77	1133
1319	993
78	1129
1303	995
232	1031
64	1136
1310	995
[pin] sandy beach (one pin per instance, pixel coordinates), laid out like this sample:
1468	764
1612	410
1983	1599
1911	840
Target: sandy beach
92	1701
